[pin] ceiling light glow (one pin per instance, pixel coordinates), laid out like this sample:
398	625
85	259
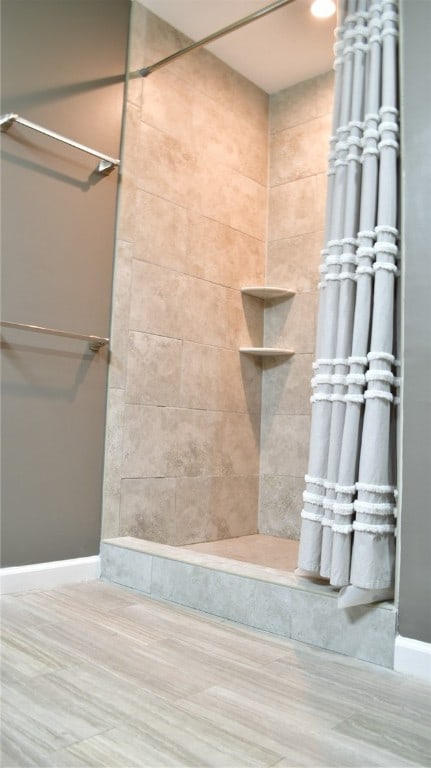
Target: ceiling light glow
322	9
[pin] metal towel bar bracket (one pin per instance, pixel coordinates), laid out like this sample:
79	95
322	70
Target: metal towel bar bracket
106	163
94	342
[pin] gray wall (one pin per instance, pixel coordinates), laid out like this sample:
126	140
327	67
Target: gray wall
63	66
415	572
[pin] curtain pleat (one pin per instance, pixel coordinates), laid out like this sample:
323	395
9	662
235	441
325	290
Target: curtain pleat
348	519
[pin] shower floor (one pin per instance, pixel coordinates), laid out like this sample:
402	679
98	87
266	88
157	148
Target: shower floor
257	548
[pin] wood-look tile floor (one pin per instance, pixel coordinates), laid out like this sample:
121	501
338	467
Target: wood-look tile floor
257	548
96	675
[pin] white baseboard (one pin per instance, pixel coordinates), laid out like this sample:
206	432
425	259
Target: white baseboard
21	578
412	657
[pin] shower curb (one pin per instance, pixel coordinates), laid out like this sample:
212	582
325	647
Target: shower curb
263	598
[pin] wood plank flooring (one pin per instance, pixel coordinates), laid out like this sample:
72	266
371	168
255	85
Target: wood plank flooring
96	675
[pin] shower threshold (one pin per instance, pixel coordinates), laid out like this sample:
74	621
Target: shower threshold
257	595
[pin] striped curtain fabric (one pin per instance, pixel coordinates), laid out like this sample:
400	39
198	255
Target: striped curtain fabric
349	513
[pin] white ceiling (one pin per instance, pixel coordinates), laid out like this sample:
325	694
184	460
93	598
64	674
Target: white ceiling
276	51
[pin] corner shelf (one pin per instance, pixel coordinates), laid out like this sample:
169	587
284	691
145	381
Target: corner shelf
267	351
267	292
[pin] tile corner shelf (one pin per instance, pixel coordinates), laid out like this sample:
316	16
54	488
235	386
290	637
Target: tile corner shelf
267	292
267	351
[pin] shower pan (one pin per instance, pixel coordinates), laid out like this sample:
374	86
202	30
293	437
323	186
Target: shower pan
191	345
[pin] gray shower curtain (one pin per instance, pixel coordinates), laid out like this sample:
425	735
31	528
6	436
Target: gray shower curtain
348	519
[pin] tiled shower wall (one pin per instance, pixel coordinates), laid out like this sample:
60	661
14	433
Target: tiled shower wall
300	126
186	438
183	419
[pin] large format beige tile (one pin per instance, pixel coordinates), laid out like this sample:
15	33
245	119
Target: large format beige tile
222	254
244	320
286	386
147	509
284	445
240	444
302	102
297	208
113	462
171	442
292	324
211	508
206	73
300	151
161	232
294	261
167	303
280	506
153	370
172	170
187	241
177	108
127	216
218	379
120	315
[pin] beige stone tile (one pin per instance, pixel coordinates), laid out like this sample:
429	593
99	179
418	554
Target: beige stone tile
294	262
176	107
224	255
234	505
298	207
193	510
153	370
161	232
201	375
172	236
284	445
231	138
240	446
211	508
233	198
292	324
120	314
167	168
247	261
286	387
251	372
127	217
280	505
219	379
168	303
300	151
147	509
301	102
212	248
131	143
170	169
207	74
293	106
324	93
245	320
171	442
112	463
